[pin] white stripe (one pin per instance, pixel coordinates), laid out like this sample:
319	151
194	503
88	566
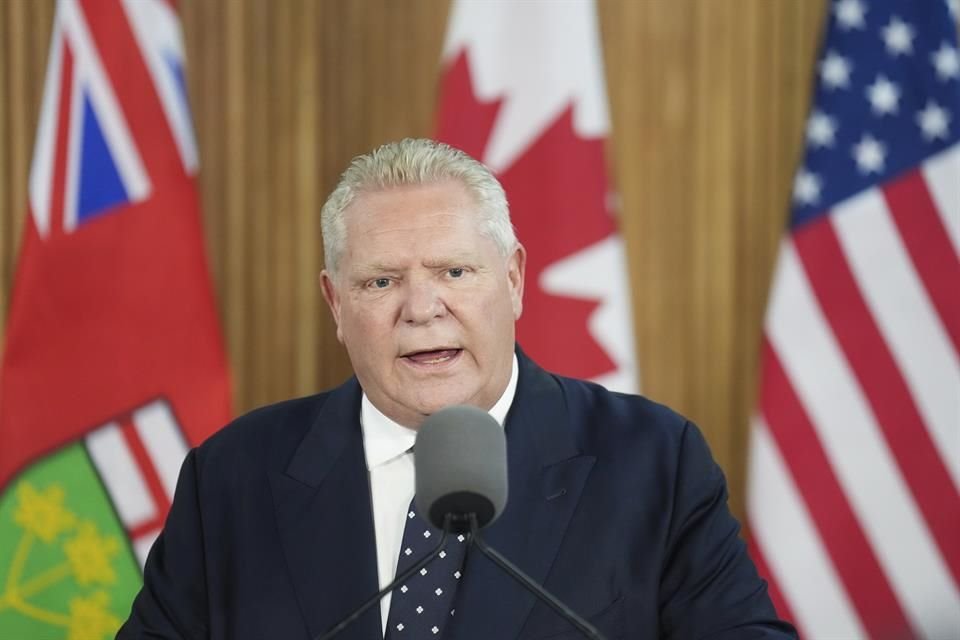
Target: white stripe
906	318
41	171
71	187
540	57
610	324
102	97
943	179
858	453
157	31
142	545
161	438
121	475
791	545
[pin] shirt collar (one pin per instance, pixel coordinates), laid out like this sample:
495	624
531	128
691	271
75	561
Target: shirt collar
384	439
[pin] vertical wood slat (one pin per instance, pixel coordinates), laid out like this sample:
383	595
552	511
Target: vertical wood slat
707	105
308	112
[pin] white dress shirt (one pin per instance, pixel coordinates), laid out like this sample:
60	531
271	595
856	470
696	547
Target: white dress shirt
388	449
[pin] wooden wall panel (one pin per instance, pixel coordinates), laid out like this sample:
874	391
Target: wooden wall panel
707	98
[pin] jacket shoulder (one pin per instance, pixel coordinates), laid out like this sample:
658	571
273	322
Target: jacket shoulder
270	433
621	414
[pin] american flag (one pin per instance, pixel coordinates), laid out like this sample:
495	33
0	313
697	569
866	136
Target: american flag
854	488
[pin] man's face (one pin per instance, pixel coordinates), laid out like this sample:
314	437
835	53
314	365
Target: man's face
424	303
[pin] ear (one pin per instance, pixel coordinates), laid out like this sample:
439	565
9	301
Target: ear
332	296
516	266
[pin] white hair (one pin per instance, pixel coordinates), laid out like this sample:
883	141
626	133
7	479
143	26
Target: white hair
413	162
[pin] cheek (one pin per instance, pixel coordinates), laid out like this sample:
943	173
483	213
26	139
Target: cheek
371	333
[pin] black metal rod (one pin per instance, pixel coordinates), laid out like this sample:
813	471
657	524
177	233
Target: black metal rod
514	572
403	577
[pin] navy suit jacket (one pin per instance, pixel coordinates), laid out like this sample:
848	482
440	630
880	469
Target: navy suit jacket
615	505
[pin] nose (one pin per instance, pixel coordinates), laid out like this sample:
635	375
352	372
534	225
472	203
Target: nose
423	302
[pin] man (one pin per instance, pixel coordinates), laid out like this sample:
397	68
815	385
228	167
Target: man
289	518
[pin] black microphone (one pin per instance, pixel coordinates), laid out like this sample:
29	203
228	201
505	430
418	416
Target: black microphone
461	479
461	467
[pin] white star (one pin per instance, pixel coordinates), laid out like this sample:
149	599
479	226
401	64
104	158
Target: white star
442	554
411	514
407	551
870	154
850	14
806	187
419	609
439	591
947	62
460	538
400	627
898	35
403	588
883	96
835	71
435	630
821	129
426	534
456	574
423	571
934	121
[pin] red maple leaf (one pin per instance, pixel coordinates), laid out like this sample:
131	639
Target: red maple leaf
557	191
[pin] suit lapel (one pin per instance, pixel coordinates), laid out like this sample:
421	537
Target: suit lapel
324	519
546	476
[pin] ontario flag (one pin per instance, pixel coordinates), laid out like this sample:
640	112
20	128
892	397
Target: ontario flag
523	91
113	363
854	487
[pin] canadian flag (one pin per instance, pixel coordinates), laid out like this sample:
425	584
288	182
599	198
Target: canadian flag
523	91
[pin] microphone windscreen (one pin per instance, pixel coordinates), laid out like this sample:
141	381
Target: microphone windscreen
461	467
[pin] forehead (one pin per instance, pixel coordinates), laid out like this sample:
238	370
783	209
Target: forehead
411	201
443	211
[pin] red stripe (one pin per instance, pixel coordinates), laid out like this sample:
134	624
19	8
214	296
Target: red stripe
131	81
150	475
851	554
58	188
883	385
779	602
146	533
933	256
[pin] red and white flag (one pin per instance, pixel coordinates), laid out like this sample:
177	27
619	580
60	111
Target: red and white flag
854	486
523	91
114	364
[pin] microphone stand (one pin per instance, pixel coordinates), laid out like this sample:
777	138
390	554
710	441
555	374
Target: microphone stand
528	583
403	577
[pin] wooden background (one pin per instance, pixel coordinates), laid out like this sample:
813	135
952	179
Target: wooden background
708	100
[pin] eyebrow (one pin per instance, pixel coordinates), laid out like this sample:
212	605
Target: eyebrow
374	268
435	262
440	263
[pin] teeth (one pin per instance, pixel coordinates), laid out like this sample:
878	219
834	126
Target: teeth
437	360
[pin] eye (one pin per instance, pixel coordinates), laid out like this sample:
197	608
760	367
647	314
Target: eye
379	283
456	272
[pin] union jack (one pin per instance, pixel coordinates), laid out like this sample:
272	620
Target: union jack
89	158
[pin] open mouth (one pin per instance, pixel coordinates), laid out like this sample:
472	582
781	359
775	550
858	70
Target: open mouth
432	357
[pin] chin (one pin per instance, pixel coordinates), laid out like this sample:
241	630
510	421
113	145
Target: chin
436	403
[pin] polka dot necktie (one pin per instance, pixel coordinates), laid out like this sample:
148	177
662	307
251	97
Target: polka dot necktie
421	607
